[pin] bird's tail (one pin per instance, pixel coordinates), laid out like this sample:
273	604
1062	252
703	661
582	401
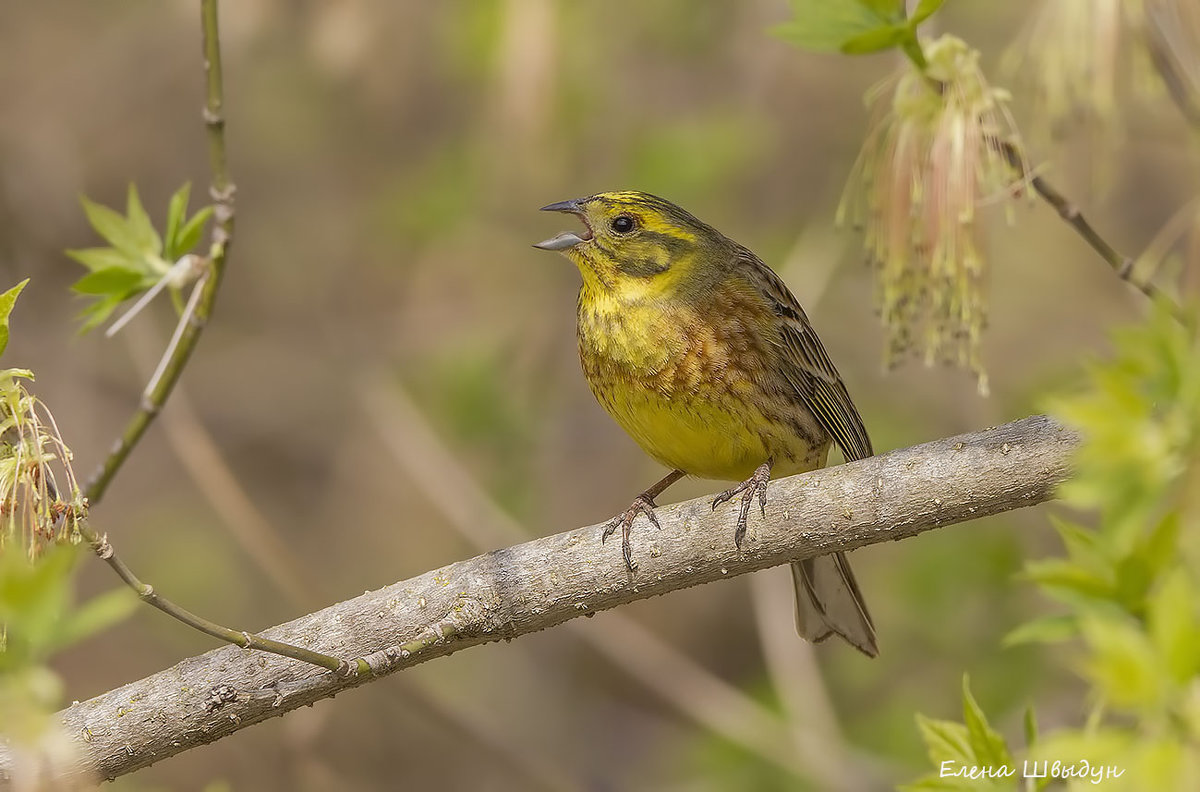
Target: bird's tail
828	601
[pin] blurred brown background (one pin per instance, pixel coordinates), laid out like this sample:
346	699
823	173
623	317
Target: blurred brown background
389	159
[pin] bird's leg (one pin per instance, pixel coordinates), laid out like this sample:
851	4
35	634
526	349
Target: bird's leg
642	504
754	486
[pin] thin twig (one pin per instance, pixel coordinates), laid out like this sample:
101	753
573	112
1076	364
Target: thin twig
1121	264
222	234
545	582
101	546
105	551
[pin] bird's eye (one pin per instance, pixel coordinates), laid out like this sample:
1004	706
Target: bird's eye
622	224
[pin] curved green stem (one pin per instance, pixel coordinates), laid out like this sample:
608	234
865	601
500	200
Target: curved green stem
222	234
1121	264
246	640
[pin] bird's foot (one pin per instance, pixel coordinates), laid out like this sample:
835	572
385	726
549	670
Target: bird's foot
755	486
641	505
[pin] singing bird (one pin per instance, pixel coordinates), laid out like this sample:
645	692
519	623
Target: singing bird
699	351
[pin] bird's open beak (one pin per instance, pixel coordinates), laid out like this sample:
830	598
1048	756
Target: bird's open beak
567	239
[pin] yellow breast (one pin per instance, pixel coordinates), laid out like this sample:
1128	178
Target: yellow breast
696	392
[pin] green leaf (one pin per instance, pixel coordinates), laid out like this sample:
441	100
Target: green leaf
1171	618
34	596
1149	556
112	281
134	262
1058	573
924	10
176	215
885	9
101	258
827	25
1045	629
989	747
876	40
7	301
97	312
146	238
1031	727
112	226
1105	745
1082	544
36	605
945	740
189	235
95	615
1161	547
1122	663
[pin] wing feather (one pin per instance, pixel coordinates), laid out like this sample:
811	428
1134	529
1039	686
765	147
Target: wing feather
808	368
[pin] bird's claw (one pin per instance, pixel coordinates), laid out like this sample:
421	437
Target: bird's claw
751	488
624	520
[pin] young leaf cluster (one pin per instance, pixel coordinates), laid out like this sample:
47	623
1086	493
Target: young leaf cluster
38	618
137	256
37	615
35	464
957	748
857	27
1129	586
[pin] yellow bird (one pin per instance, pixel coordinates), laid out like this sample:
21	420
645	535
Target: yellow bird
699	351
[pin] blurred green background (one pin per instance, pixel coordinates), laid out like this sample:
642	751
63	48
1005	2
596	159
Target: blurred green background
389	159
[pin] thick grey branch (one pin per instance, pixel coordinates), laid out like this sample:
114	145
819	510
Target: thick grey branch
538	584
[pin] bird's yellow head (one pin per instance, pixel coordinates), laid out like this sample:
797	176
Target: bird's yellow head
635	245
